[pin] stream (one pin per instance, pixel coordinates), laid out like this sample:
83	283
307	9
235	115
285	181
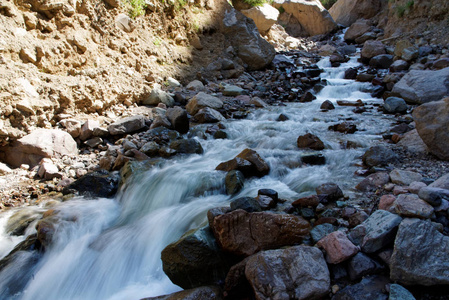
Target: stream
110	248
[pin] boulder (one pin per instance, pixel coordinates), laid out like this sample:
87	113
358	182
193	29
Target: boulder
48	170
346	12
432	195
41	143
157	96
188	146
244	37
442	182
127	125
404	177
329	191
234	182
373	182
248	162
320	231
195	260
264	16
328	105
72	126
232	90
399	65
379	156
422	86
95	184
311	14
203	293
370	49
195	85
371	287
413	143
178	119
338	247
432	123
208	115
248	204
87	129
310	141
395	105
382	61
294	273
410	205
202	100
421	255
4	169
362	265
344	127
380	229
357	29
243	233
398	292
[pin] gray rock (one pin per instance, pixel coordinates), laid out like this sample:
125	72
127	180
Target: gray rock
244	36
87	129
381	229
195	85
373	182
346	12
195	260
48	171
320	231
366	37
432	122
208	115
178	119
379	156
157	96
294	273
30	149
409	54
371	49
399	65
356	30
442	182
357	234
234	182
248	204
189	146
94	142
398	292
151	149
412	143
202	100
432	195
361	265
404	177
422	86
232	90
409	205
382	61
421	254
95	184
394	105
4	169
127	125
203	293
330	191
371	287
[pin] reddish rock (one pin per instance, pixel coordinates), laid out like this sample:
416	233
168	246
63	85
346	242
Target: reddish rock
248	162
373	182
243	233
400	190
310	141
338	247
307	201
386	201
409	205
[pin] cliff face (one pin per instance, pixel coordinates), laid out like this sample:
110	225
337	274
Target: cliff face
81	56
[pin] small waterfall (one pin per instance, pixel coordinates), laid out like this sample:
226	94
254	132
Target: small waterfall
110	248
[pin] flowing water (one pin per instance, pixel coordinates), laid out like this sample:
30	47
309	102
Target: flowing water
110	248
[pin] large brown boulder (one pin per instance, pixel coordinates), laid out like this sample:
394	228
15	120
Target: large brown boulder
202	100
243	233
370	49
244	37
294	273
248	162
357	29
264	16
346	12
311	14
310	141
432	123
39	144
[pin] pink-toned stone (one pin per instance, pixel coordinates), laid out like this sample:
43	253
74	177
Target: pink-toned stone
410	205
416	186
386	201
338	247
400	190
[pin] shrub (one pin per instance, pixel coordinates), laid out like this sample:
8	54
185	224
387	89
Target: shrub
135	7
328	3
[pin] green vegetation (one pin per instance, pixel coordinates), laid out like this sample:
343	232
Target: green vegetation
401	10
255	2
157	42
328	3
135	7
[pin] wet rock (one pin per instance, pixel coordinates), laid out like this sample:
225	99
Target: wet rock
344	127
351	73
150	149
234	182
432	121
394	105
157	96
248	162
371	49
373	182
420	254
244	36
95	184
41	143
409	205
20	220
382	61
327	105
196	260
127	125
379	156
356	30
208	115
314	159
203	292
331	192
267	198
362	265
188	146
380	230
243	233
398	292
248	204
320	231
404	177
307	97
310	141
312	201
338	247
202	100
294	273
422	86
433	196
178	119
371	287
